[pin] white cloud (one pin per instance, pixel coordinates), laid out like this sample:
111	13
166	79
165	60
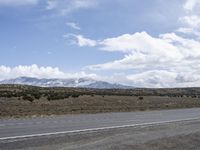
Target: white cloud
51	4
38	72
73	25
153	78
142	43
163	78
18	2
189	31
156	78
192	21
80	40
142	51
66	6
189	48
190	4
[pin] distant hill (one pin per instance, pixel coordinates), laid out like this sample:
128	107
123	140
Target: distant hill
78	82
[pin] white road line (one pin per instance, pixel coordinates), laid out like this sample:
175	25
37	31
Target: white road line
95	129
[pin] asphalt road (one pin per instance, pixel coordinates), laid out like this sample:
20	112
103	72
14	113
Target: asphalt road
15	128
20	129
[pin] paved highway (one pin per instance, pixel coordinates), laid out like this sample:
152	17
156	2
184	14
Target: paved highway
37	127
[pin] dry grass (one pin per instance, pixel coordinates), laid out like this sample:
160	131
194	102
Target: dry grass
12	107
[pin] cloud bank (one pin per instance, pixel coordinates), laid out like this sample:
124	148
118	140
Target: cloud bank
38	72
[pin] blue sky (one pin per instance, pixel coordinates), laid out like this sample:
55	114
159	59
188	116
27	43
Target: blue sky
136	42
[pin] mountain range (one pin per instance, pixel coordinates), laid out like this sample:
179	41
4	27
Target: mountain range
76	82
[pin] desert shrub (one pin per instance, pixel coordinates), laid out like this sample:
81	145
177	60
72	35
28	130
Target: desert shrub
29	98
37	96
194	96
75	95
140	98
48	98
57	95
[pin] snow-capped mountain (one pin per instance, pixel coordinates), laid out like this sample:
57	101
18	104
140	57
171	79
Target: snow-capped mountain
80	82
